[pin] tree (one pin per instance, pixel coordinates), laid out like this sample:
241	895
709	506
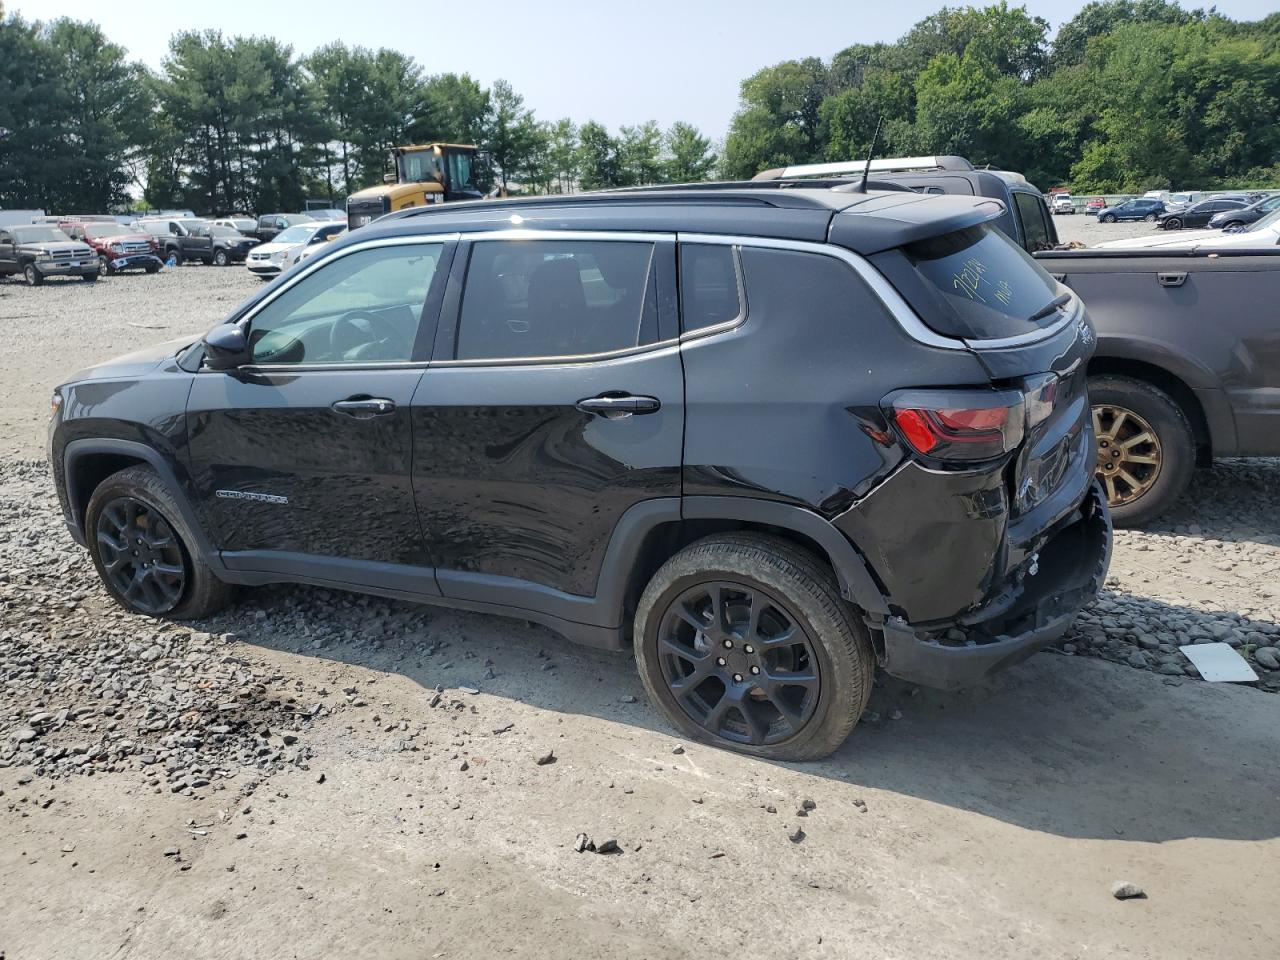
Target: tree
779	121
598	163
563	154
456	110
32	114
510	131
1097	19
689	157
639	150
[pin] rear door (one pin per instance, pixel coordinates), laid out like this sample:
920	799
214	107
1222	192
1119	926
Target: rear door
8	254
302	456
554	403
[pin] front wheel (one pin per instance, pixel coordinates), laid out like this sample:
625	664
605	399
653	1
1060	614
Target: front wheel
176	254
1232	225
104	266
1145	447
1173	223
1108	218
743	641
144	551
220	258
33	276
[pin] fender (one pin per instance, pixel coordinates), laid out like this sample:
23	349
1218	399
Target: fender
78	449
856	582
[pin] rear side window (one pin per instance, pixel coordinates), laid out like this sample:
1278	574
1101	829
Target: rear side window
556	298
1034	226
975	283
710	286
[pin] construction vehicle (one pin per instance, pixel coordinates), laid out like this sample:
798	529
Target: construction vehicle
424	174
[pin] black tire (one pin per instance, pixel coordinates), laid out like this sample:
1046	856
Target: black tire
176	253
1177	448
104	266
1150	218
220	258
201	593
152	269
33	276
793	582
1108	218
1232	224
1173	223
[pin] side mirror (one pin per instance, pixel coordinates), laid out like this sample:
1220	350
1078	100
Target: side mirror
225	347
389	178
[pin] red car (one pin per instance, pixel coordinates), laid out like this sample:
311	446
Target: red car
1094	205
118	247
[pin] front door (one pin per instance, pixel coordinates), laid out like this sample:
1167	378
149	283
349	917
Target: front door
554	402
302	457
8	253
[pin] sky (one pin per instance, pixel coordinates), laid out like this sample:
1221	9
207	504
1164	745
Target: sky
618	63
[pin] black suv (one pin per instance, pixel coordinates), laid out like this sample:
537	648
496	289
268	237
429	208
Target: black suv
770	438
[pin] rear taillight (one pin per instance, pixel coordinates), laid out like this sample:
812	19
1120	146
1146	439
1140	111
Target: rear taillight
963	425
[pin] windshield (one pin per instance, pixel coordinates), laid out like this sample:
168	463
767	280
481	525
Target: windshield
296	234
978	283
1268	222
104	230
39	234
419	166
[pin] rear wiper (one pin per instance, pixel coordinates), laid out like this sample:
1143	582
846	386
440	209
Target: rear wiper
1057	303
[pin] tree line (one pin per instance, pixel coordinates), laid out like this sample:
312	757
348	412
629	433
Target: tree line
1131	95
242	124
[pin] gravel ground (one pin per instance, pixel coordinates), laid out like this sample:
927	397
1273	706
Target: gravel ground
310	755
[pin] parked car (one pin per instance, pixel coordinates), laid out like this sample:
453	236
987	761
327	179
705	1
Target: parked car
562	438
1198	214
311	249
1143	208
117	247
1242	217
1094	205
172	236
245	225
270	224
1186	368
1262	234
39	251
1062	204
270	259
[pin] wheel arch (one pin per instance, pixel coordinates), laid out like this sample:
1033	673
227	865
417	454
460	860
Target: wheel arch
86	463
1172	384
653	531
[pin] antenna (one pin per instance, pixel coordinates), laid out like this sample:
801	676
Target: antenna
871	152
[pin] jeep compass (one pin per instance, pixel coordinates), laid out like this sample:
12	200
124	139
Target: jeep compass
770	437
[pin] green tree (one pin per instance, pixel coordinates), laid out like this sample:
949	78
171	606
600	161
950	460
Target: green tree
689	157
456	108
32	114
639	154
563	154
779	120
510	131
1098	19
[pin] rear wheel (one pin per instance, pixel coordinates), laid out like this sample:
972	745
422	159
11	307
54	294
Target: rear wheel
1173	223
145	553
1145	447
744	641
1150	218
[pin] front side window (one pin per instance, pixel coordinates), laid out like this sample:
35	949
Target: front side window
709	287
361	308
556	298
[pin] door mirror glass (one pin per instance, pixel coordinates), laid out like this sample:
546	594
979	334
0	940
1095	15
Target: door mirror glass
225	347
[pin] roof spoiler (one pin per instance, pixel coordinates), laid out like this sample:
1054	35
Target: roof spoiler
848	167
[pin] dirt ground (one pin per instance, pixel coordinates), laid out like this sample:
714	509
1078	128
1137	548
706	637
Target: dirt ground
987	823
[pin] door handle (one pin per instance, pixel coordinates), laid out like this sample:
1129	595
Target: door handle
1171	279
365	408
619	407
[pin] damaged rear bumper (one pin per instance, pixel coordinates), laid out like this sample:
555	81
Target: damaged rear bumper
1027	615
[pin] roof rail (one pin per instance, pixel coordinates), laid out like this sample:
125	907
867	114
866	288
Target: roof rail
884	165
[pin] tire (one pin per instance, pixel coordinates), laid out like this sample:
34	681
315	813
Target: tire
1174	450
199	594
152	269
1150	218
176	253
794	587
1173	223
220	258
1108	218
1232	225
89	277
33	276
104	266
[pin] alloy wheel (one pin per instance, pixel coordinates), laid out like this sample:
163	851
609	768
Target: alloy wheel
1129	453
103	266
141	555
739	663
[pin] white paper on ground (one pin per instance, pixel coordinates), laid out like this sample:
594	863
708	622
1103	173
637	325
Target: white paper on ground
1219	662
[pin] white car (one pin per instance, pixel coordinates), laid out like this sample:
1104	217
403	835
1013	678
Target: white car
311	249
271	259
1264	233
1062	203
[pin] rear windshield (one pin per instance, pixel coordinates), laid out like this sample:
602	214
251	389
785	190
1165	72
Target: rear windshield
981	283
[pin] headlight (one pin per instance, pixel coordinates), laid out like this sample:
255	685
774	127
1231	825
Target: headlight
55	404
116	248
280	255
44	258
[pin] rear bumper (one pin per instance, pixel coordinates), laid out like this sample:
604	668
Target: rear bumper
1031	612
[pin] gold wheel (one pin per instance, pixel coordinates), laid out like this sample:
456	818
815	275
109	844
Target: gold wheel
1129	453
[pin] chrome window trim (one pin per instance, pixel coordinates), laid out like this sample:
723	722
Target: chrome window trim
906	318
723	325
